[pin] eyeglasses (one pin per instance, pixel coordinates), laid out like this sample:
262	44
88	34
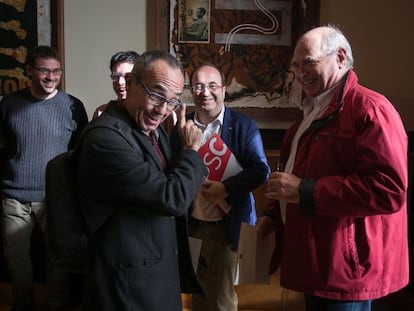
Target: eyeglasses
46	71
157	99
116	76
199	87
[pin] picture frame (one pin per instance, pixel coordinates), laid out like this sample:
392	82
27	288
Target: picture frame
194	21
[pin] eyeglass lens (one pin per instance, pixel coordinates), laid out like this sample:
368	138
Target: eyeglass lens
201	87
116	76
157	99
46	71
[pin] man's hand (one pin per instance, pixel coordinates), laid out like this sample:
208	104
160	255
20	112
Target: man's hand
190	134
283	186
213	191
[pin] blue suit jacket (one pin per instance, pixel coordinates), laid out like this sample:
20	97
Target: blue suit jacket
242	136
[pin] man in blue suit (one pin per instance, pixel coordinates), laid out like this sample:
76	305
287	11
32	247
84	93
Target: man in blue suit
221	206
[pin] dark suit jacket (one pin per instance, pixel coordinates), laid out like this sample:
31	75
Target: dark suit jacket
130	206
243	138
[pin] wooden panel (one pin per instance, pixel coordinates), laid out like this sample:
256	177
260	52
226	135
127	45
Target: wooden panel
263	297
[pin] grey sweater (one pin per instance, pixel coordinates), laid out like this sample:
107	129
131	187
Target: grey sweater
35	131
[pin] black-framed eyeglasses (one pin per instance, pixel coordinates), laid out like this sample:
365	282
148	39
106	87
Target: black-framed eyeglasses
116	76
199	87
157	99
46	71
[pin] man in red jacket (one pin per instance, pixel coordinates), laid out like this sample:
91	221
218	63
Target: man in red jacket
342	197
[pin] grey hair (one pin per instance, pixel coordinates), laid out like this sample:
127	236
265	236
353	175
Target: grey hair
145	61
332	40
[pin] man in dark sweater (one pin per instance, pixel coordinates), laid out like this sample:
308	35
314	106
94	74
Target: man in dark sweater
37	124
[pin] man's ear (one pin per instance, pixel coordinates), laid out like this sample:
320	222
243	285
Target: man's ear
29	71
341	57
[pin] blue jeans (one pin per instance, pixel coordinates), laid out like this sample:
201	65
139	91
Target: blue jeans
314	303
19	220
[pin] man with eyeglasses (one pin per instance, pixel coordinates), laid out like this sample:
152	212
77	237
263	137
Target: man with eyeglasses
37	124
133	193
219	228
120	64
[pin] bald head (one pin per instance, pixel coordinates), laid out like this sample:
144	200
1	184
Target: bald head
321	58
329	39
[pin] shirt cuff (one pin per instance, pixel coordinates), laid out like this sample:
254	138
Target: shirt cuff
306	202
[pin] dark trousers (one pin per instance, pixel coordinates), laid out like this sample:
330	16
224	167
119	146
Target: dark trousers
321	304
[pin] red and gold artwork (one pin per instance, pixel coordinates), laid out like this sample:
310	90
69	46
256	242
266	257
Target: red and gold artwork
251	41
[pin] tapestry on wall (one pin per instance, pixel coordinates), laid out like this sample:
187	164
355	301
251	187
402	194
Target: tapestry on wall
23	24
251	41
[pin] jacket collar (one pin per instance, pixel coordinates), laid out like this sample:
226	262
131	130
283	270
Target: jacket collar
337	101
127	126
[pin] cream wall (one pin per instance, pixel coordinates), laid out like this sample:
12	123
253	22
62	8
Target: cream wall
381	35
380	32
93	31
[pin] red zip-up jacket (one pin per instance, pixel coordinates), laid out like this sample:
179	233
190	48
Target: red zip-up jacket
347	238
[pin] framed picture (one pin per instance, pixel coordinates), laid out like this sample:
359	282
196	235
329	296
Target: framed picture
194	21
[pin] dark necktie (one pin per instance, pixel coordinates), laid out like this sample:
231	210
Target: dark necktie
158	151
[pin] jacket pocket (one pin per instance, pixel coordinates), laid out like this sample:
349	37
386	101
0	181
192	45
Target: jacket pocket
352	252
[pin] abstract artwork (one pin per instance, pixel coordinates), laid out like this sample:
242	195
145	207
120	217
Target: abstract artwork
251	41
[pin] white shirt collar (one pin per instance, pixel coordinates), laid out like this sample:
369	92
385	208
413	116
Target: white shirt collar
320	102
218	121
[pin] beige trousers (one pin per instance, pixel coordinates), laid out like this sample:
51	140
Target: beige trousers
216	269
